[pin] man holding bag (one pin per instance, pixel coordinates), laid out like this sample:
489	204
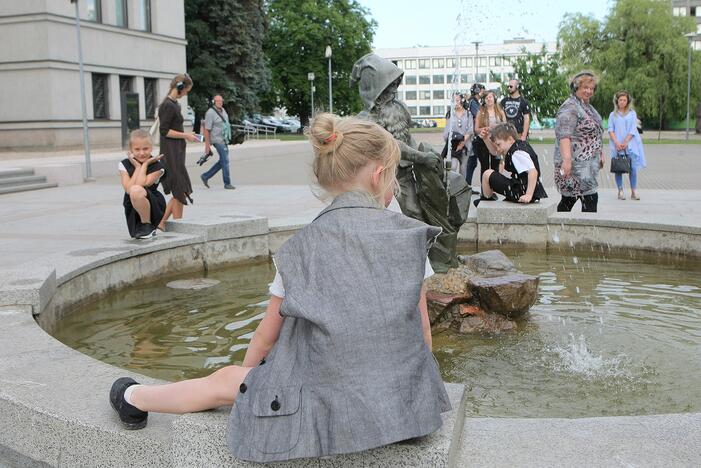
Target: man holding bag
217	133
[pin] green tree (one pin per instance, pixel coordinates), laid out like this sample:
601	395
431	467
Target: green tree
224	53
297	37
542	83
640	46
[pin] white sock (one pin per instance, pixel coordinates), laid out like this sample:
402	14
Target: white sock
127	393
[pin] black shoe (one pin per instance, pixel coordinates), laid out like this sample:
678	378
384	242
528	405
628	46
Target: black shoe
131	416
204	181
494	197
145	231
229	187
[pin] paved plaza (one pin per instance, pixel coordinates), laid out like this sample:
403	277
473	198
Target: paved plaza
272	180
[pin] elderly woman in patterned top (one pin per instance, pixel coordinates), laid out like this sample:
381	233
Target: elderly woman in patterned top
578	153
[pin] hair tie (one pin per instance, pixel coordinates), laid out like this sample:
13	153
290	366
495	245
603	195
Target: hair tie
330	139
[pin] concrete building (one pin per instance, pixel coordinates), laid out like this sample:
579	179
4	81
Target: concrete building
431	74
128	46
693	9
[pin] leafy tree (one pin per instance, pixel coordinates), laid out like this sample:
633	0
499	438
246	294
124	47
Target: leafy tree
542	83
297	37
640	46
225	39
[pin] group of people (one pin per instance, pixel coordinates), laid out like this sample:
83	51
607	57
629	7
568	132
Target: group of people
145	208
495	134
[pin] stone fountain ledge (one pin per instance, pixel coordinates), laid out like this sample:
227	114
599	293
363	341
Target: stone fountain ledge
53	408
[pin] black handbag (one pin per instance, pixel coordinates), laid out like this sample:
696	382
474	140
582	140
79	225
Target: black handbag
620	164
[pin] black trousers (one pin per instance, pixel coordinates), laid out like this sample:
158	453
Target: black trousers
589	203
487	161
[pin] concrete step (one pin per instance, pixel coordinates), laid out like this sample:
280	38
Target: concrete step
27	187
24	180
8	173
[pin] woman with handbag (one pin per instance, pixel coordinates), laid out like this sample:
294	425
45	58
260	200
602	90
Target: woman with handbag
457	132
625	141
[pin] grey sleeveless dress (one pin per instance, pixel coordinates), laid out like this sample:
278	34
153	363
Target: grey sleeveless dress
350	370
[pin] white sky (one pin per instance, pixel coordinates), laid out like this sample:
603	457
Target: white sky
408	23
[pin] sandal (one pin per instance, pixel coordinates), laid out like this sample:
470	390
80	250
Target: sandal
620	195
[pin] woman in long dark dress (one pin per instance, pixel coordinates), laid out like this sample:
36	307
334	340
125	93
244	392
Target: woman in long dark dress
173	142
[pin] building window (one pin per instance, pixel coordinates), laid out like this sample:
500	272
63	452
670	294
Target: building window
450	63
449	78
410	64
411	95
100	104
145	15
438	63
483	61
424	110
507	61
497	61
491	61
424	79
399	96
438	110
439	95
480	77
677	11
410	79
121	18
150	96
412	110
424	95
424	63
93	12
494	77
466	78
466	62
438	79
125	84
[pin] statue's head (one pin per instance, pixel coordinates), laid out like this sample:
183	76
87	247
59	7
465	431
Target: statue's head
377	78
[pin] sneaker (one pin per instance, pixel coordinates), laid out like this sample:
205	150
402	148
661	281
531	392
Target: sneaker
204	180
229	187
145	231
131	416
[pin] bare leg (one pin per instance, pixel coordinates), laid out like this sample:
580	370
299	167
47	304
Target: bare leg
177	209
139	200
188	396
166	215
486	189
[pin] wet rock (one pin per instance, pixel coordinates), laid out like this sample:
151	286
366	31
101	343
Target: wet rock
508	295
489	263
483	295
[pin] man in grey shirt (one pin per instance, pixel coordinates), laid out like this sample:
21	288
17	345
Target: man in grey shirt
217	133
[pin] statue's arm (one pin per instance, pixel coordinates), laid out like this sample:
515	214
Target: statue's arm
424	158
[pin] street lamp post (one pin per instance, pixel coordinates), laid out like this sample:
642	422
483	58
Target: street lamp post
477	54
690	37
310	77
86	140
327	54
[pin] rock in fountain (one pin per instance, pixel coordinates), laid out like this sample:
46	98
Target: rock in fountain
484	294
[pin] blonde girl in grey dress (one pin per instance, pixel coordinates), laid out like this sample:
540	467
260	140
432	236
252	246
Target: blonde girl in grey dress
341	362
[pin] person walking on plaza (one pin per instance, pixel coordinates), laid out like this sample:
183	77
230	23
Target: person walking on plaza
490	114
517	110
217	133
337	364
173	143
578	152
625	138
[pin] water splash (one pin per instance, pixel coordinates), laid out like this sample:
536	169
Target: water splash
576	358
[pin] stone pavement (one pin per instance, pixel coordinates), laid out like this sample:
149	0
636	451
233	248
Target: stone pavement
272	180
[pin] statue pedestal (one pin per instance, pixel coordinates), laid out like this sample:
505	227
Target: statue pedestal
484	294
